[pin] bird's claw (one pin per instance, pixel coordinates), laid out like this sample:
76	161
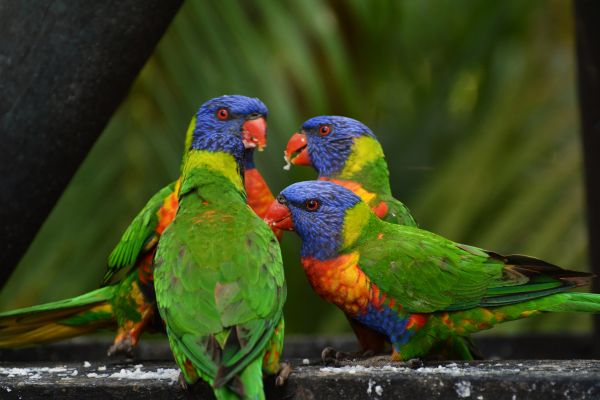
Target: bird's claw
284	372
123	347
331	356
414	363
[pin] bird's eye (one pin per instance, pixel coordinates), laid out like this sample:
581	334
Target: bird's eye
222	114
281	199
311	205
324	130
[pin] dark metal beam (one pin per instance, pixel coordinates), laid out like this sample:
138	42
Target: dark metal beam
587	26
64	68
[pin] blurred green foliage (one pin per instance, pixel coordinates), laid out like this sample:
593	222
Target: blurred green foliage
473	101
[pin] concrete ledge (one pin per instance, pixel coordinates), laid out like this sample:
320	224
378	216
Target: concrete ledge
79	368
541	379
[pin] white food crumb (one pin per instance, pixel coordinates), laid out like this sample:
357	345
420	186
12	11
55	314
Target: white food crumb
102	368
306	361
287	162
171	374
370	387
378	390
86	364
350	369
463	388
75	372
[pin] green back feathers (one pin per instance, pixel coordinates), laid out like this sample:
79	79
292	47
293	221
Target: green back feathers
219	277
427	273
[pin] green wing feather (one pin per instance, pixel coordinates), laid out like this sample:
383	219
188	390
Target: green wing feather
426	272
219	279
140	232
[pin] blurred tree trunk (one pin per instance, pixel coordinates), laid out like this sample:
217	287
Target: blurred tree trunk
64	68
587	26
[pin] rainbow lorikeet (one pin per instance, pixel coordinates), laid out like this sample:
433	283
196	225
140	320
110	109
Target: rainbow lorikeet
129	302
346	152
415	287
219	277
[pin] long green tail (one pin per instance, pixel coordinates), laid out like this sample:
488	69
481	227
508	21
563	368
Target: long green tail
445	325
477	319
58	320
248	385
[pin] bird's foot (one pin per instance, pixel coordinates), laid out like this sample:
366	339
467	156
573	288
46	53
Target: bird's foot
414	363
284	372
331	356
381	360
123	347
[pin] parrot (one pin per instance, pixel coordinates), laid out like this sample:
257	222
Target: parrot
129	302
218	274
346	152
415	287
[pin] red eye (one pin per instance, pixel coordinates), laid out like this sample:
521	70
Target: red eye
324	130
311	205
222	114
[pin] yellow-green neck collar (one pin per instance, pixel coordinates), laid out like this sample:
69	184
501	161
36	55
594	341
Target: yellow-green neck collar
220	162
355	220
365	150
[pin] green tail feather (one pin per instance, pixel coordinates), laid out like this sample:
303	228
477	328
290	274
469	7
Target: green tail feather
560	302
573	302
248	385
480	318
225	394
57	320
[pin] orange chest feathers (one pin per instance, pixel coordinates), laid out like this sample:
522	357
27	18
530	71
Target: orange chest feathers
341	282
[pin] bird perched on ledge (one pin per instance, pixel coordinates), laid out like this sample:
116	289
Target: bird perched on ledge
415	287
346	152
219	276
128	301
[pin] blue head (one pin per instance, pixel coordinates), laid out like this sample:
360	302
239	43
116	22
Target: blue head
224	123
325	143
317	211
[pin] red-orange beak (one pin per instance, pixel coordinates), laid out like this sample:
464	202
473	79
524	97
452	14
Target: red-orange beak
279	217
297	144
254	133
